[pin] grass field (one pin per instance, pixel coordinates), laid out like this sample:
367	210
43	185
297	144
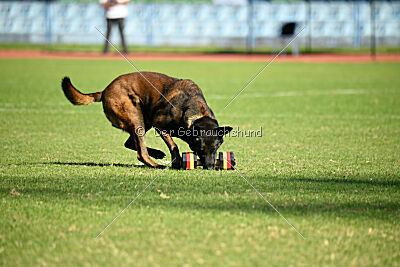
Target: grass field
328	159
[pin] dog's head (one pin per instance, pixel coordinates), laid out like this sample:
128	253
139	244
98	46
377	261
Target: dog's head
205	141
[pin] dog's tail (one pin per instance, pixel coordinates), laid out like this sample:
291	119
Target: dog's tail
76	97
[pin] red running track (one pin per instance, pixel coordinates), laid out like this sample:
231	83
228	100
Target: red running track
336	58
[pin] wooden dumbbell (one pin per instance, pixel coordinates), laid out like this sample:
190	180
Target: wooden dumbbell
225	161
189	161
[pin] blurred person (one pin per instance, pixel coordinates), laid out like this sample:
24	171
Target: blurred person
115	13
287	33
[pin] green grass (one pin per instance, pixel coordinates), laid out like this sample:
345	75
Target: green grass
196	50
328	160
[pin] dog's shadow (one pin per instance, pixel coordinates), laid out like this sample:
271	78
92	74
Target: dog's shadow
97	164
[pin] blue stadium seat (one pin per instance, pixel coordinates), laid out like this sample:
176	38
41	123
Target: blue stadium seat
205	12
139	28
365	12
340	11
184	12
4	9
239	14
392	29
267	29
384	11
319	11
35	10
38	26
338	29
298	11
141	11
261	12
395	13
211	29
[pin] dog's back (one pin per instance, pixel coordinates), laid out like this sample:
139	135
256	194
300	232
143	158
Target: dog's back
163	99
148	86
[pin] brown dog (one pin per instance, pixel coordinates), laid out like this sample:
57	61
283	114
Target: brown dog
136	102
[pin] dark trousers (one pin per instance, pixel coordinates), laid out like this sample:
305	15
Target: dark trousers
120	23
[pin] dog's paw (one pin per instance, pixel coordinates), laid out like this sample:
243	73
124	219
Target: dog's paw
155	153
177	164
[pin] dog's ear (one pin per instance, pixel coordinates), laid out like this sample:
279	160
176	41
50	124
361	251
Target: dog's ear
224	130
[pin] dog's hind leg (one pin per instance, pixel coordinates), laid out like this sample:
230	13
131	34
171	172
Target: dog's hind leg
126	114
134	124
155	153
142	153
173	148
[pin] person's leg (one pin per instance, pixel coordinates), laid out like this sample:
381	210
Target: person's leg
282	40
121	32
108	34
295	48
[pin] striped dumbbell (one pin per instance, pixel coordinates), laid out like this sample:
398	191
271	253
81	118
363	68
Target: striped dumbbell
226	161
189	161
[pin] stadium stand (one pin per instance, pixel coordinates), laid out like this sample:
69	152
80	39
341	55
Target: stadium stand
172	23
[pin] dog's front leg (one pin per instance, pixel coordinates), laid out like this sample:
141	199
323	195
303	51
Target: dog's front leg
173	148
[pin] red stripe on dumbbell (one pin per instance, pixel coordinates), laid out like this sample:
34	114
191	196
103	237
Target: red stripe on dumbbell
188	161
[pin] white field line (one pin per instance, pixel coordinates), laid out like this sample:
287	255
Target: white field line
46	111
35	104
221	96
40	108
242	115
299	92
302	93
311	116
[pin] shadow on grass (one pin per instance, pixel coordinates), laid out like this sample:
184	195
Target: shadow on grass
306	180
344	181
342	197
327	197
348	207
95	164
287	182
